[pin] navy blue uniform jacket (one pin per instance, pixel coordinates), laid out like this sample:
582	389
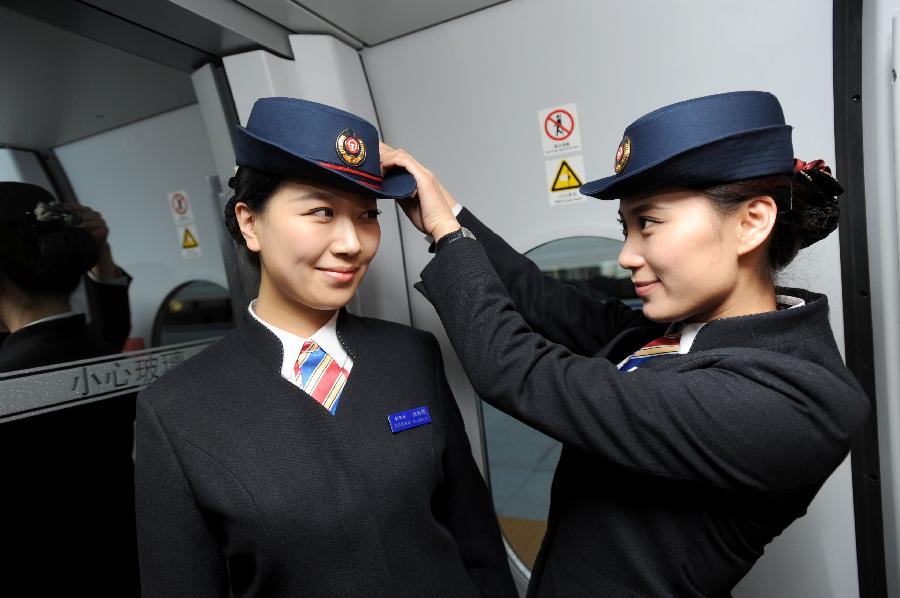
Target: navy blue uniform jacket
245	483
673	477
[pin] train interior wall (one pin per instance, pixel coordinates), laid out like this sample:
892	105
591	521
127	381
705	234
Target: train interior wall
881	130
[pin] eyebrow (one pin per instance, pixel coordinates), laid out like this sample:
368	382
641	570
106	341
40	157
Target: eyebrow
641	208
313	195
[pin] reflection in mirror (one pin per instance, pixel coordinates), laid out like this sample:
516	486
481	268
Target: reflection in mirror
521	460
108	126
195	310
46	248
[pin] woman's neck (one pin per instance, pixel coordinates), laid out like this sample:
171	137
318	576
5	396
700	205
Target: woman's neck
752	295
18	314
295	318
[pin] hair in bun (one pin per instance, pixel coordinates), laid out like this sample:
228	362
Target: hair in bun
807	207
46	252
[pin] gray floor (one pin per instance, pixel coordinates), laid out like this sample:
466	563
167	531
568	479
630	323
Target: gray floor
521	461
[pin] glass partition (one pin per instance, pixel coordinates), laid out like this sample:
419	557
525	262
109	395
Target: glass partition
521	460
127	213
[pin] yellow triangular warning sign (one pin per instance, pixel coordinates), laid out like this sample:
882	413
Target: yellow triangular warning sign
189	241
565	178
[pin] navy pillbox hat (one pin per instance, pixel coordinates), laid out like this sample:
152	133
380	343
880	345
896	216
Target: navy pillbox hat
713	139
302	139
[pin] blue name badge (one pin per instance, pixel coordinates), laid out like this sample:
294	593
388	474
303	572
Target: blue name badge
411	418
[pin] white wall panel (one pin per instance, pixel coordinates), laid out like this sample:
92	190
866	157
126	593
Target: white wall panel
881	132
23	167
463	98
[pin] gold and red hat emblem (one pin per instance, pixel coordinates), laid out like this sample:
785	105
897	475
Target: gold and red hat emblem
350	148
622	154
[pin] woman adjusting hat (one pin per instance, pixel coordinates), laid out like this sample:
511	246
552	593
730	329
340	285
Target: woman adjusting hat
311	452
696	429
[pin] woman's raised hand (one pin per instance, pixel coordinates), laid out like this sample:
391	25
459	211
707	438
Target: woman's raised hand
431	207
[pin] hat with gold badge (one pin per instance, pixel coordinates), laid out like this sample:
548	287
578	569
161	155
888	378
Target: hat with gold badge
713	139
302	139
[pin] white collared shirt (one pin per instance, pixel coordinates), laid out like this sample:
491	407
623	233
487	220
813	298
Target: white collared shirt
66	314
326	337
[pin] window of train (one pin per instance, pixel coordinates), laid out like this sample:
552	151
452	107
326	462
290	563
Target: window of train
521	460
195	310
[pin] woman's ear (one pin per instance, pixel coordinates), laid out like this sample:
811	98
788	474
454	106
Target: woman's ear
247	219
756	223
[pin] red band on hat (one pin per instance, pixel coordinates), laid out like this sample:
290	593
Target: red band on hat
350	170
376	187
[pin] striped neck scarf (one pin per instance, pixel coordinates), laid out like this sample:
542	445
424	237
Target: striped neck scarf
320	376
664	346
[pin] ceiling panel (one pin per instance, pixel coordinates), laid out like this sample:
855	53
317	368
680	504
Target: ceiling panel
368	21
298	19
59	86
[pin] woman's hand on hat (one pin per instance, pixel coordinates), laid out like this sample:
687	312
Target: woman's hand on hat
429	209
94	223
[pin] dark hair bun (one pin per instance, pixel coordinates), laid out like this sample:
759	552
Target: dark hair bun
40	259
819	216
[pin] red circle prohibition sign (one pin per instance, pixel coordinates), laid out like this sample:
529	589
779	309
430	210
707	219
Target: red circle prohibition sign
179	204
552	126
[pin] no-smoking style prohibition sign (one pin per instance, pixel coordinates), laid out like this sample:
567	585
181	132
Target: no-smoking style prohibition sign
559	124
179	204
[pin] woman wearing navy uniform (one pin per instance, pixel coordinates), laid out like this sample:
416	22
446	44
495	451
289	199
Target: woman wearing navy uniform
694	430
311	452
45	249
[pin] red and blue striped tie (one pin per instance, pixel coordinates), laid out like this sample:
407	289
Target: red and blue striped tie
320	376
664	346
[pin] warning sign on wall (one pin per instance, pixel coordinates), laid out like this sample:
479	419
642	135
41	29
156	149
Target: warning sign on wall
180	207
564	178
188	240
560	132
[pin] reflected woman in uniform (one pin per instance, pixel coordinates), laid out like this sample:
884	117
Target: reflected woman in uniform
45	249
311	452
696	429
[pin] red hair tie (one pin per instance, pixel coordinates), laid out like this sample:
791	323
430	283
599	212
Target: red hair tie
805	167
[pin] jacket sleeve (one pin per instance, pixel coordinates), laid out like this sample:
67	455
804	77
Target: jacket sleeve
558	311
177	551
465	505
736	421
110	309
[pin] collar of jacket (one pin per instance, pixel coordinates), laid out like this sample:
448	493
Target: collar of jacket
73	324
769	328
267	347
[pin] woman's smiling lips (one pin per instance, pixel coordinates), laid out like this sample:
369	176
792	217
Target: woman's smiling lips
341	274
645	287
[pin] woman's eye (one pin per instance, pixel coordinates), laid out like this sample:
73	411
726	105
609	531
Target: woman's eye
372	214
624	228
644	222
321	213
